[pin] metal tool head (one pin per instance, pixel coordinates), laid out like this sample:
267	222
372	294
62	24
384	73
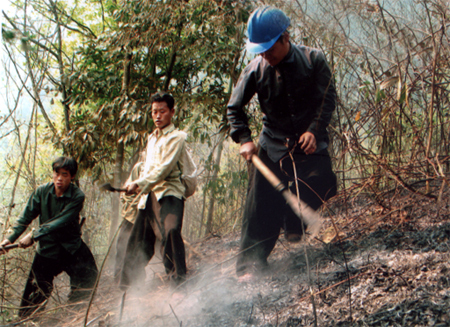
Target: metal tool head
107	187
110	188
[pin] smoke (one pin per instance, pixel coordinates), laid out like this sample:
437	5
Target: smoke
209	292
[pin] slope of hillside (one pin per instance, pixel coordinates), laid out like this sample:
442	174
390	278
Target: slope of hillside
389	267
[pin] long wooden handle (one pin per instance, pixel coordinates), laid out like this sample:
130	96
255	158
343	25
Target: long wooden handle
11	246
310	217
266	172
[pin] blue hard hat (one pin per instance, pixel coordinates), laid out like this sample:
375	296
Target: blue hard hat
264	27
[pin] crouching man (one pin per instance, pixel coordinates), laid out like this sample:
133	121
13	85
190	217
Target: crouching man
60	247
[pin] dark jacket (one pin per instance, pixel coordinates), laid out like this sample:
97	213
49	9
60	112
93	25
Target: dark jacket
296	96
59	217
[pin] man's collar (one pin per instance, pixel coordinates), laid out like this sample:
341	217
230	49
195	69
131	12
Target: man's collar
67	193
289	56
169	128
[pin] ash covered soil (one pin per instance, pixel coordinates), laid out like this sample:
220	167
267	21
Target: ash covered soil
388	266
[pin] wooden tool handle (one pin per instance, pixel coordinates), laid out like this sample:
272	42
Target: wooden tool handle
11	246
266	172
310	217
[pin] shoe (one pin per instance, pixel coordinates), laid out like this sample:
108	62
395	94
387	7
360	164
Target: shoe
251	271
293	237
247	278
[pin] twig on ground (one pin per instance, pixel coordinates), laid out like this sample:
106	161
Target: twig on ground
100	273
122	304
175	315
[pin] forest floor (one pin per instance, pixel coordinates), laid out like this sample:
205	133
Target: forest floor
389	266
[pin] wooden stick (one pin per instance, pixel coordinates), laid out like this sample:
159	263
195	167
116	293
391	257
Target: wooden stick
122	304
11	246
310	217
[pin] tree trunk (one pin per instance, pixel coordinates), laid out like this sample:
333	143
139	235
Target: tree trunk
19	170
118	168
61	68
212	201
115	215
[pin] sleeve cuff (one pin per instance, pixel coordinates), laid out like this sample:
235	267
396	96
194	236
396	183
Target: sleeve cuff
313	129
11	238
245	138
38	232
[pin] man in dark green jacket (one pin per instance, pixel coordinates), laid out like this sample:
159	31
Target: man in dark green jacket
60	247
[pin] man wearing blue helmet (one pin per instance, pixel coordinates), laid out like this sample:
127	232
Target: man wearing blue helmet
296	94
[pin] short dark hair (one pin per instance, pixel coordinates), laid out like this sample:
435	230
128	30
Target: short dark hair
283	36
163	97
65	163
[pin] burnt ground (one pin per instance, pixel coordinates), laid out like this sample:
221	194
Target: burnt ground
389	266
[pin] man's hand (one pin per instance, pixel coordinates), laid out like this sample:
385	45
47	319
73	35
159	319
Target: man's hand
308	142
132	188
27	240
247	150
2	244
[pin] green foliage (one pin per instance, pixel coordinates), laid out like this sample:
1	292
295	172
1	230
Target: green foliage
7	35
189	49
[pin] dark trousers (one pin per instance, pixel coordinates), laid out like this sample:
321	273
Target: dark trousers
121	247
266	211
149	226
80	267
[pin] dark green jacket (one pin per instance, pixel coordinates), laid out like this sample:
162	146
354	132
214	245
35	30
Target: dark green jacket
59	220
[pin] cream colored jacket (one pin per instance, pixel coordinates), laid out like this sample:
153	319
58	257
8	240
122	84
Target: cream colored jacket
160	172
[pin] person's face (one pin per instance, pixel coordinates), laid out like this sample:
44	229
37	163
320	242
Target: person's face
277	52
161	114
61	179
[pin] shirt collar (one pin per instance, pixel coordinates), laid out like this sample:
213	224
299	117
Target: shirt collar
166	130
289	58
66	194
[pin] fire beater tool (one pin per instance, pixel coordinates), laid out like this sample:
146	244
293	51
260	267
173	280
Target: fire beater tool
310	217
110	188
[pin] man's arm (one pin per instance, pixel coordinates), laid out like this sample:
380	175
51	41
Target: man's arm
325	95
171	155
130	185
242	94
31	211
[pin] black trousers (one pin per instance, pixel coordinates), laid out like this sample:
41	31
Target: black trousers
121	246
266	211
80	267
151	225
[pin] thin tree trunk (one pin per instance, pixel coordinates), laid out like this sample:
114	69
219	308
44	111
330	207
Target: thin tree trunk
19	170
202	218
431	104
118	172
61	68
118	168
212	200
36	96
35	93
